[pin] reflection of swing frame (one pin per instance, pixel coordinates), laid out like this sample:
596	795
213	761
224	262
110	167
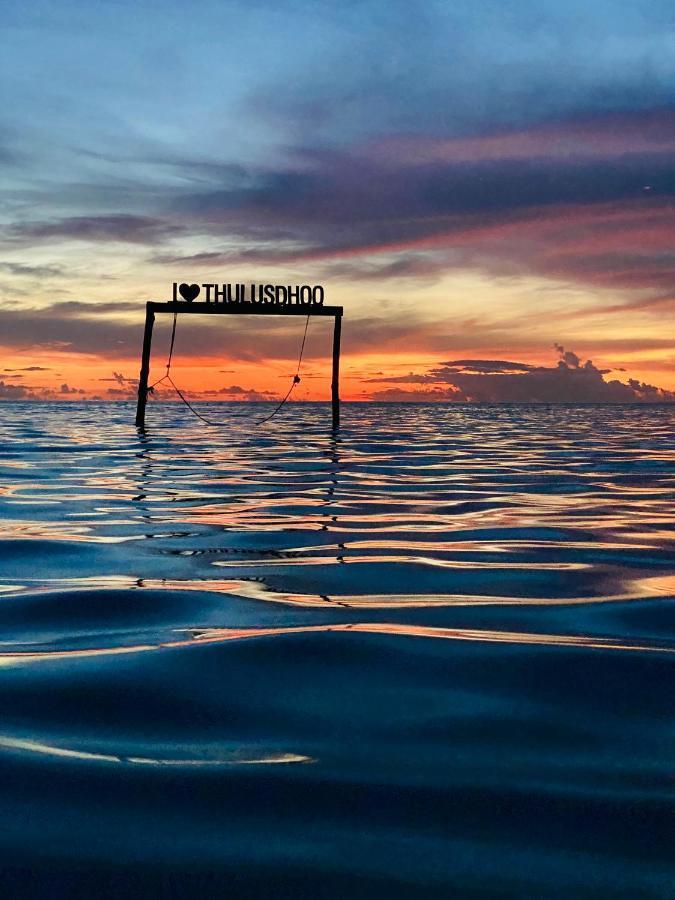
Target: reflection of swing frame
230	309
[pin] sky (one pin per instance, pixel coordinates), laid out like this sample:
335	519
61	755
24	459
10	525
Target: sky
486	187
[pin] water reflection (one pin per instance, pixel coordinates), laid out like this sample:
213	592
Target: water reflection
222	635
236	758
461	616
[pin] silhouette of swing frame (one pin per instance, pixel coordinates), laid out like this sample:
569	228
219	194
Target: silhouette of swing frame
152	308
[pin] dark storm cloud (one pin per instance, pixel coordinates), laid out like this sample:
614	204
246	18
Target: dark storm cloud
569	381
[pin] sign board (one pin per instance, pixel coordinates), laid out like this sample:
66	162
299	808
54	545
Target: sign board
306	295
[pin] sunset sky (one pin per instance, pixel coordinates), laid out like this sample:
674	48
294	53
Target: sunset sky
487	188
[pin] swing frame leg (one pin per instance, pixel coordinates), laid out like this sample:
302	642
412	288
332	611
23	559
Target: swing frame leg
335	380
145	368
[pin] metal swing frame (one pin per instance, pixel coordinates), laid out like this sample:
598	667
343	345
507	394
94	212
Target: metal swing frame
153	308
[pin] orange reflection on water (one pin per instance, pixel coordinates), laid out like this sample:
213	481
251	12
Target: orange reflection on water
258	590
221	635
457	634
657	584
400	558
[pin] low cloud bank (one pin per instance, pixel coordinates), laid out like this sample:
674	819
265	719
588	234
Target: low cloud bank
502	381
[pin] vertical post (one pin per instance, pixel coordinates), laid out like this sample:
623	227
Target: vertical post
145	367
335	382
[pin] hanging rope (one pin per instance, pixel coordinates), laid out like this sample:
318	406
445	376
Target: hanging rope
168	361
296	377
167	377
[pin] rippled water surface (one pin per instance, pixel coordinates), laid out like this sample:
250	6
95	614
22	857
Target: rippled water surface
431	656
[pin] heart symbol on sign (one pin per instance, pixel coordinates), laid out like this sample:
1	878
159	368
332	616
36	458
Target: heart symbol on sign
188	291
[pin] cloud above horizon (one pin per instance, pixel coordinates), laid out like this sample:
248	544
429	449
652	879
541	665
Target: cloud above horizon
379	147
501	381
589	202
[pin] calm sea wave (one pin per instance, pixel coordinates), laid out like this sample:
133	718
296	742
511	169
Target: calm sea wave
429	657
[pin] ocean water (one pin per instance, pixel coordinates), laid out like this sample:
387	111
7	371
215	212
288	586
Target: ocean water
431	656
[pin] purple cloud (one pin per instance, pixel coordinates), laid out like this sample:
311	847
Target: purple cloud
120	228
567	382
13	391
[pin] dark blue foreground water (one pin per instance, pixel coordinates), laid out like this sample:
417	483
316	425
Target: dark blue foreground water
431	657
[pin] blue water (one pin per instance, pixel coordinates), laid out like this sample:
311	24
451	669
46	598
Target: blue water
430	657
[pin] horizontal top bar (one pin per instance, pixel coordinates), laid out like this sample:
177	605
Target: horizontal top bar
244	309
